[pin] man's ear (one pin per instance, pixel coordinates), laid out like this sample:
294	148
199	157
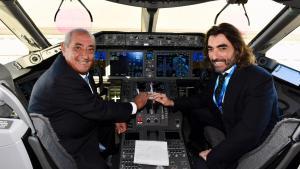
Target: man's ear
237	53
62	47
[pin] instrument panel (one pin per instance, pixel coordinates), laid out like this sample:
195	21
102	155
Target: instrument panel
150	64
149	55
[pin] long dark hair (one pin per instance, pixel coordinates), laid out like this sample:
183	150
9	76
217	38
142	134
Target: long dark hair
243	54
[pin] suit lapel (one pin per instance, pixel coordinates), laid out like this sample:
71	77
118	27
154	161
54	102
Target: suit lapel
92	83
211	93
232	90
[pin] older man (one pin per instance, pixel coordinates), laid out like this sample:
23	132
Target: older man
79	117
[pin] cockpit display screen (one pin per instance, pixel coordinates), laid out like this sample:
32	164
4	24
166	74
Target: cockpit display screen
126	63
172	65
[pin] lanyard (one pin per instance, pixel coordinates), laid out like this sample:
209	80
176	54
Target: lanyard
222	93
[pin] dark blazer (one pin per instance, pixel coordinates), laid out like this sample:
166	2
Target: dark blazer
250	110
74	111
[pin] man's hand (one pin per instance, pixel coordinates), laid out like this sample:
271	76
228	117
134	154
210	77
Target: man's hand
162	98
140	100
204	154
121	127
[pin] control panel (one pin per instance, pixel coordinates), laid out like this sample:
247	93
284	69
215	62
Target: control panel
177	156
153	122
149	55
135	62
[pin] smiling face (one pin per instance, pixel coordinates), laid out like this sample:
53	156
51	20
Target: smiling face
221	53
79	53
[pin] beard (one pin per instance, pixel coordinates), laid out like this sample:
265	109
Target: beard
221	65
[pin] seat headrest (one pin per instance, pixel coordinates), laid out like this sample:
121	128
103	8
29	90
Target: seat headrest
6	78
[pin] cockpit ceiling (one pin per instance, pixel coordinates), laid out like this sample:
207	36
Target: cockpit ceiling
159	3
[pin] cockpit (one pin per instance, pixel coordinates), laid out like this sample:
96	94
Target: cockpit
145	46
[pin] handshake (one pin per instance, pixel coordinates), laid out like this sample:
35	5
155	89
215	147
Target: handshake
142	98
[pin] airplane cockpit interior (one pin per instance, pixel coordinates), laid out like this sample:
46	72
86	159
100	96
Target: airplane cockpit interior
152	60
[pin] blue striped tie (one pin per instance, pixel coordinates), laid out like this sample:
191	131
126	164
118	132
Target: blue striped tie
220	85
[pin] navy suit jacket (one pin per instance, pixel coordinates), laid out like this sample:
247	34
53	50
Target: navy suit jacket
63	96
250	111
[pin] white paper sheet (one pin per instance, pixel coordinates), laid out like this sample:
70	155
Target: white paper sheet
151	153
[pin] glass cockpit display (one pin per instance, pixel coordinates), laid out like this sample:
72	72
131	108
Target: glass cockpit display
151	64
126	63
172	65
99	63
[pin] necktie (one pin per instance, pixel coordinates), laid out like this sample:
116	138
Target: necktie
86	79
220	86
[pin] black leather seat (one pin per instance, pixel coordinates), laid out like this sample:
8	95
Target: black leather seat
277	151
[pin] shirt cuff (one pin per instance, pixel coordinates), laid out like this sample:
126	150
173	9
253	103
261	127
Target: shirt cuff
134	108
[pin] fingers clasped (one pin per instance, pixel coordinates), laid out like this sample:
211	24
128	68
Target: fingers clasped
141	99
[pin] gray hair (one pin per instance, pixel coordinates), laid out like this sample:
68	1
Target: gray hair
68	36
